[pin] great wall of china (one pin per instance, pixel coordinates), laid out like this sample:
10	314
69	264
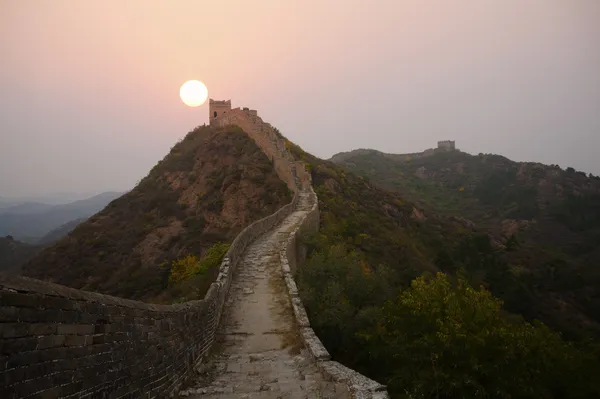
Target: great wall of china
442	146
249	337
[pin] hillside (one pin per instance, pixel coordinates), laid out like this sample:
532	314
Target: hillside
544	224
375	296
60	232
30	221
206	190
14	253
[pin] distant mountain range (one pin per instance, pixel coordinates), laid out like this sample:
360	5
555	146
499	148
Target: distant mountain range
60	232
24	208
57	198
30	221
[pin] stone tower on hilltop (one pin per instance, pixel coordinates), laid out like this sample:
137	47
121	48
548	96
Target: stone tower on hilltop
217	108
446	145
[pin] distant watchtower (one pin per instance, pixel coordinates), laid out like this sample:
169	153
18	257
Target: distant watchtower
446	145
217	108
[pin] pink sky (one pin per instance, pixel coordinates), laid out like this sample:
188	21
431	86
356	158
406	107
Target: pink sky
89	89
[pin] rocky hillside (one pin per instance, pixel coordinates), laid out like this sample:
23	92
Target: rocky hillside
375	296
543	223
211	185
14	253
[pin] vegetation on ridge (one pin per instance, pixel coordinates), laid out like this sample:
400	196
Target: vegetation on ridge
189	266
368	301
212	184
543	225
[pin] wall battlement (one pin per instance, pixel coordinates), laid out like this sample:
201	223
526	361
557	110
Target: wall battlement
217	108
443	146
266	137
447	145
57	341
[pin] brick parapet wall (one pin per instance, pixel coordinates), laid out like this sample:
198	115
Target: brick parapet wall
292	255
272	144
57	341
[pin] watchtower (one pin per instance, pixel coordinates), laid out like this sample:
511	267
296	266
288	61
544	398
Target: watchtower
446	145
217	108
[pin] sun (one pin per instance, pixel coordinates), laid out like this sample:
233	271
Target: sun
193	93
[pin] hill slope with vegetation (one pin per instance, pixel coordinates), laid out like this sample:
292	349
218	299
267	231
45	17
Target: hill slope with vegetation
543	223
175	223
60	232
398	292
14	253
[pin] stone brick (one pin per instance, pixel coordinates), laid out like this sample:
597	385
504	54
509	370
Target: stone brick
23	359
12	376
19	299
15	345
9	313
13	330
42	329
75	340
50	341
73	387
75	329
51	393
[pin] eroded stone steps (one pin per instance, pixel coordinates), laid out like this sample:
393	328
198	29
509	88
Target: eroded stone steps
259	350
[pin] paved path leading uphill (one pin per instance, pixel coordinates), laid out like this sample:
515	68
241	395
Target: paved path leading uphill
259	351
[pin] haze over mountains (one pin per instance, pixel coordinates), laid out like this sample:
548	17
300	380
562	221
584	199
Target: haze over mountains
30	221
445	274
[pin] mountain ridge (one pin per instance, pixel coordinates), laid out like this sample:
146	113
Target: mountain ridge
210	186
31	221
543	221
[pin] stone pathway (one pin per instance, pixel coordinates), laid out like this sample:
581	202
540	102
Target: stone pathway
260	354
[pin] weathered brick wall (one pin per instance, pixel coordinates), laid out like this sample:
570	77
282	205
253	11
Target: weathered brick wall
62	342
292	255
267	139
57	341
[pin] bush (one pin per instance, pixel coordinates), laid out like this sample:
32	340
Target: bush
190	265
451	340
436	338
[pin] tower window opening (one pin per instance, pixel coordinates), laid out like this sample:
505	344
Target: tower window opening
215	114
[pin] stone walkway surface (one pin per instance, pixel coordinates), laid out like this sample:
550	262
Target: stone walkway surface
259	353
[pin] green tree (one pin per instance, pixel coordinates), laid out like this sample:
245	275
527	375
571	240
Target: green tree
343	296
190	265
446	340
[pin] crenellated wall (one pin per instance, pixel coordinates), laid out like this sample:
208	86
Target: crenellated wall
443	146
62	342
269	141
57	341
291	254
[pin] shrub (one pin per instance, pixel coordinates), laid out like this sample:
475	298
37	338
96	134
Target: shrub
451	340
190	265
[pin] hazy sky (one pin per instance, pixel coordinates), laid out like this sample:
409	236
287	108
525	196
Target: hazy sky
89	90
